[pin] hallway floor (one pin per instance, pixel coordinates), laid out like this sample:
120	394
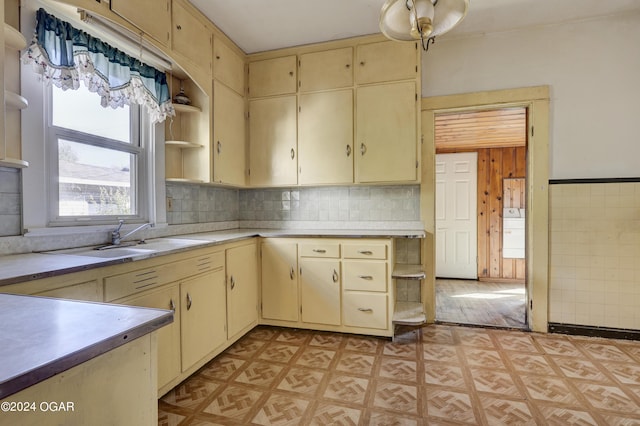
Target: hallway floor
436	375
480	303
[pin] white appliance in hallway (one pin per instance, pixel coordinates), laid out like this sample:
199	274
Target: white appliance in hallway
456	215
513	233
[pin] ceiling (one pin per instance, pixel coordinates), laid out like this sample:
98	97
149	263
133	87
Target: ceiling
259	25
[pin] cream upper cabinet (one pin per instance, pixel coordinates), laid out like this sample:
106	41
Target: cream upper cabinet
228	66
279	280
331	69
273	141
242	288
386	141
153	17
325	137
229	151
191	38
320	290
386	61
203	316
273	77
169	366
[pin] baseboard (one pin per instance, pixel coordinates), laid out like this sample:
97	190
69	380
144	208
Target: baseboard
593	331
501	280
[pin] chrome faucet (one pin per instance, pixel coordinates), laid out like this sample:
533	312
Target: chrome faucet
116	238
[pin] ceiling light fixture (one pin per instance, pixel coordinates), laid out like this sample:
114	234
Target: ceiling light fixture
410	20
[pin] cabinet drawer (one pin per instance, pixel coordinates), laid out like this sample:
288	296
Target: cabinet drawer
123	285
204	263
365	251
320	249
364	276
369	310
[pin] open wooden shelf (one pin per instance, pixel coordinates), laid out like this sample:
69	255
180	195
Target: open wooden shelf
408	272
14	163
182	144
13	101
184	180
186	108
13	38
409	313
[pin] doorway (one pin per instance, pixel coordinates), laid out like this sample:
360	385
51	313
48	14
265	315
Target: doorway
491	143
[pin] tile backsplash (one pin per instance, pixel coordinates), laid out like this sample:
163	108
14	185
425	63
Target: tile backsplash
594	253
10	202
200	204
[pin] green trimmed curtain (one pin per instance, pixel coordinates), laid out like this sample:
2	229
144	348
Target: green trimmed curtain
63	55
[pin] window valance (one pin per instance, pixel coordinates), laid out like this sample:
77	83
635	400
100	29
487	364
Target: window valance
64	55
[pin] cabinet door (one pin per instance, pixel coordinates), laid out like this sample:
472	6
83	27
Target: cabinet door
320	290
191	38
273	77
202	316
331	69
151	16
325	124
228	66
168	336
386	142
242	288
228	136
272	141
386	61
279	281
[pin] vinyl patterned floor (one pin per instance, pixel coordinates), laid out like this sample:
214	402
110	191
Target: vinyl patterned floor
436	375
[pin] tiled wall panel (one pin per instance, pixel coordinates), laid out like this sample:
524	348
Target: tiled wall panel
10	202
595	254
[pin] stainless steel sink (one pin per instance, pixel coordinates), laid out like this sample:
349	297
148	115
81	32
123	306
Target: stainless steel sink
112	253
165	244
131	249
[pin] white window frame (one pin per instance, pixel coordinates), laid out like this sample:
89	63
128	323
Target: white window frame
135	146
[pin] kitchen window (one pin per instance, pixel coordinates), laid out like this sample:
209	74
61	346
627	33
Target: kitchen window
96	159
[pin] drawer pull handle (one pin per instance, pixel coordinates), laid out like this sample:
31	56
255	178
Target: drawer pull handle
365	277
291	273
189	301
335	276
319	251
366	252
365	309
233	282
172	305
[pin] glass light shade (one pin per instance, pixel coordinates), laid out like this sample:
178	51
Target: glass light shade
396	20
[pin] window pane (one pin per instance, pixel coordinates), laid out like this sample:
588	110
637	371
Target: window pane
81	110
95	181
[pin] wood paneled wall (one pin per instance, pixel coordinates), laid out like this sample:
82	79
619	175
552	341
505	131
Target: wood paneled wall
495	165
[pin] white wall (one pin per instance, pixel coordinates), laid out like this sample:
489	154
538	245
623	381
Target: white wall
593	69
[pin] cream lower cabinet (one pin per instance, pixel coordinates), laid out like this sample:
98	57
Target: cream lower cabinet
242	288
169	365
202	316
320	290
279	289
340	285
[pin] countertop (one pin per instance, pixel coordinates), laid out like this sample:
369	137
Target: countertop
42	336
32	266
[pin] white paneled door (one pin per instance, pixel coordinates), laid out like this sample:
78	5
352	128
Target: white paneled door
456	221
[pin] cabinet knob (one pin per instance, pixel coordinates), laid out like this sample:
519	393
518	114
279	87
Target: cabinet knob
348	66
293	153
365	277
189	301
291	272
319	251
219	147
365	252
217	56
363	149
362	63
348	150
179	27
335	276
233	282
365	309
172	305
291	73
